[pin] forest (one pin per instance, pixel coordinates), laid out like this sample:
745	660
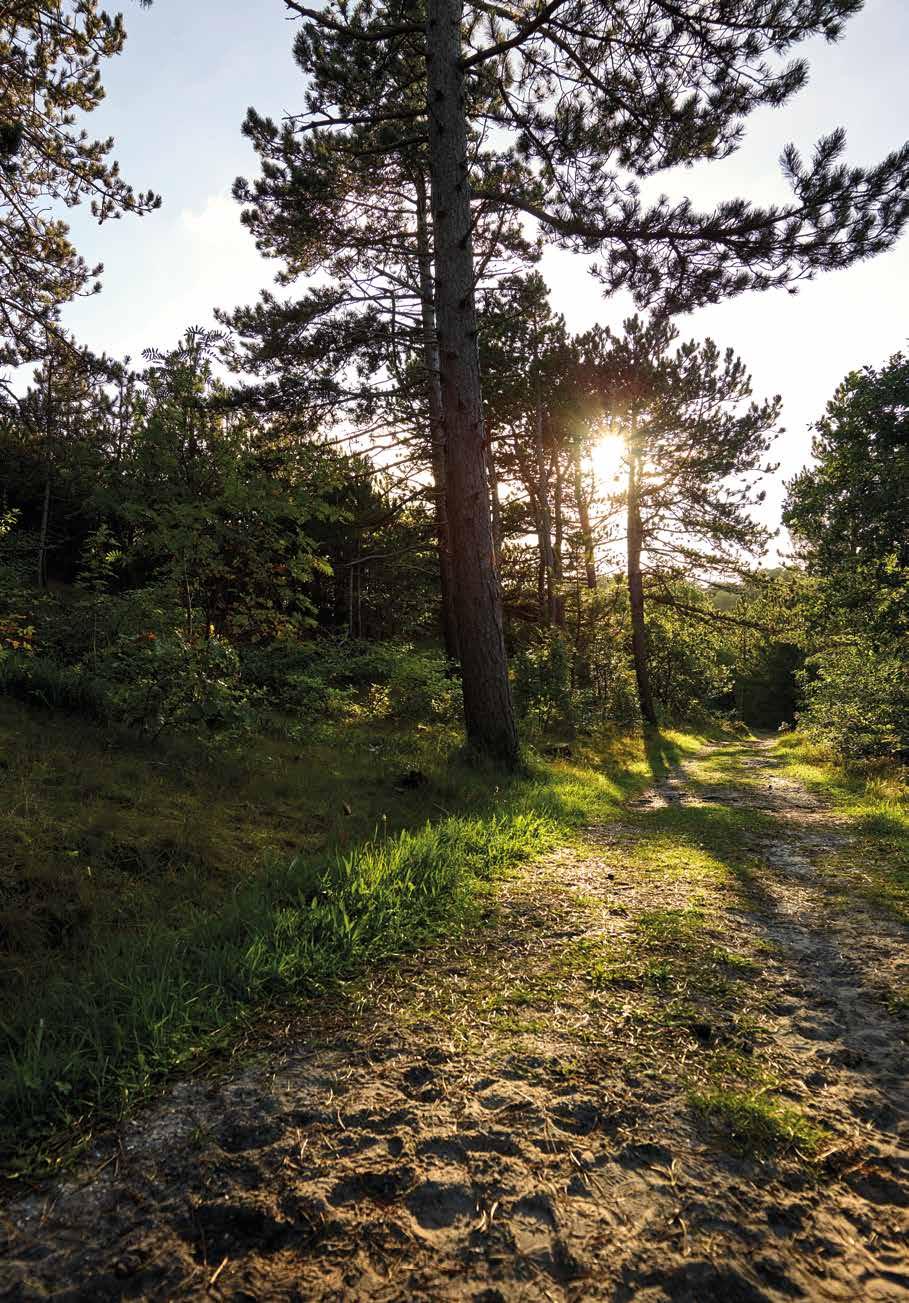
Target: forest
454	831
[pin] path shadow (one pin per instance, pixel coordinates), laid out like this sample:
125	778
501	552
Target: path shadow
816	944
662	754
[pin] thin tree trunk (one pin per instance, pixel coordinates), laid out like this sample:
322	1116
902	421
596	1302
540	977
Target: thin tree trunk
558	575
188	603
48	461
488	710
495	505
436	426
42	537
636	588
583	508
542	604
579	666
546	587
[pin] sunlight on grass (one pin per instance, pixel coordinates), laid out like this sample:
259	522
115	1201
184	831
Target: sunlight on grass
756	1124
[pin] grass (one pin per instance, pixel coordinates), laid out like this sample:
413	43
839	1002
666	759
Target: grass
756	1124
875	800
164	899
699	1007
696	1002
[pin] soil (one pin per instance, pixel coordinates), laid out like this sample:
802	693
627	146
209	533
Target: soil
485	1122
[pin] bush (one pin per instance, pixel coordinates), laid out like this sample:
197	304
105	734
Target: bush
294	678
611	696
418	689
857	702
542	680
169	684
153	685
41	681
687	674
321	680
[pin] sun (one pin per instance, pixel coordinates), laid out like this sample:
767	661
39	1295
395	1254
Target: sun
608	458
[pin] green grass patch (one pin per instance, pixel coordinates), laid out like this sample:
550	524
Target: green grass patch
672	958
875	799
146	1002
163	897
757	1125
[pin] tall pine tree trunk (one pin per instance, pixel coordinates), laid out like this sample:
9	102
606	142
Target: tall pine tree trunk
488	710
636	589
436	425
546	594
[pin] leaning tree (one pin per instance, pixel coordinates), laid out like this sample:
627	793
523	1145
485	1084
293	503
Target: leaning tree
590	97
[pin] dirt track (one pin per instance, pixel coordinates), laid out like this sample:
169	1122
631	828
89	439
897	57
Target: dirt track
507	1119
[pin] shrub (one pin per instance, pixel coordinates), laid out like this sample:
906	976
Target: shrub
687	674
857	701
169	684
417	689
294	679
611	695
42	681
542	680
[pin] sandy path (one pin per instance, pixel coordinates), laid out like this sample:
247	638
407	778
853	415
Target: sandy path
492	1121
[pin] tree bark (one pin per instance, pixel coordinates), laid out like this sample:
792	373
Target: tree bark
436	426
636	589
488	710
546	586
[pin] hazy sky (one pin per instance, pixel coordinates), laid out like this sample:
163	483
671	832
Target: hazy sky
176	100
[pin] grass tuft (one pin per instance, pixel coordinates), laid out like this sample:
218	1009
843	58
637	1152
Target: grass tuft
757	1125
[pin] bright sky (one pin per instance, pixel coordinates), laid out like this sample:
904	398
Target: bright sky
177	98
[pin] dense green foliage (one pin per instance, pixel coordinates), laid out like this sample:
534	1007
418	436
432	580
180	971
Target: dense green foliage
850	516
50	57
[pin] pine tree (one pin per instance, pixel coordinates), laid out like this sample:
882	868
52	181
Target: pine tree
352	203
525	357
593	95
50	57
60	433
694	449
